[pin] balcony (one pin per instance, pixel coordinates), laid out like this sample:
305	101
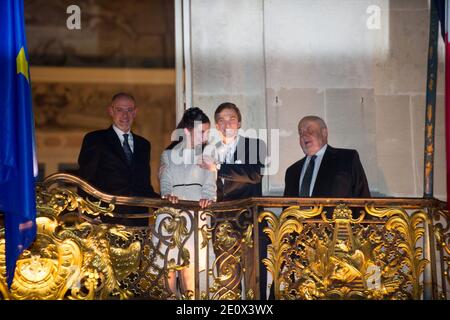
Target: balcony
317	248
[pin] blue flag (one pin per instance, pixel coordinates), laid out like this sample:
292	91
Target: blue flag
18	167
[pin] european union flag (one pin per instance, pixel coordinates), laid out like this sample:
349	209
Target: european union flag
18	167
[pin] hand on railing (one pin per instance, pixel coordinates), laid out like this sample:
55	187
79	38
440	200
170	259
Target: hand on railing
203	203
171	198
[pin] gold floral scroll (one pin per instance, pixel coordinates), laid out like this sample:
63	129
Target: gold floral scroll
345	257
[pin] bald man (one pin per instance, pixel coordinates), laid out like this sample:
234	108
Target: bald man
117	161
324	171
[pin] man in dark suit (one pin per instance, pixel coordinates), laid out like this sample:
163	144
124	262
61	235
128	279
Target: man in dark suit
241	159
239	169
117	161
325	171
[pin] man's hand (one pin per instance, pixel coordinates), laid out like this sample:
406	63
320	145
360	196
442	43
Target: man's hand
204	203
171	198
208	163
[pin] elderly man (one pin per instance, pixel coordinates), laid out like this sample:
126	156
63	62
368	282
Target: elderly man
116	160
325	171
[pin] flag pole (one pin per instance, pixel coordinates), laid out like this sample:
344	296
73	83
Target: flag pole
430	113
447	102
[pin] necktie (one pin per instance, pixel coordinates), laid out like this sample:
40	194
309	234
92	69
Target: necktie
127	148
306	183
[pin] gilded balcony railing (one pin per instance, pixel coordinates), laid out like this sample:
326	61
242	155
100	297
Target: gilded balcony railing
319	248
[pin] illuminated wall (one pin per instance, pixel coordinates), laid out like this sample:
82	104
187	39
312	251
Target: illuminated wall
361	65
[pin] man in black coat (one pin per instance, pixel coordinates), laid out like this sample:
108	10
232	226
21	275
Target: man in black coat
325	171
241	159
117	161
239	170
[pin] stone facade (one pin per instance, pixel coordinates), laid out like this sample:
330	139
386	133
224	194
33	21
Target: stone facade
282	60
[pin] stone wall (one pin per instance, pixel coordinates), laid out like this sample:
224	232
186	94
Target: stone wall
114	33
121	46
282	60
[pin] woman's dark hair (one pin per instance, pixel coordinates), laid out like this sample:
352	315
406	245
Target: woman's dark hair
190	117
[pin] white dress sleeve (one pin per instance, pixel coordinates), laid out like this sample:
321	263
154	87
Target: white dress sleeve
165	174
209	189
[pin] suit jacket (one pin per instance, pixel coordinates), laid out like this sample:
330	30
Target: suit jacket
102	163
341	175
243	178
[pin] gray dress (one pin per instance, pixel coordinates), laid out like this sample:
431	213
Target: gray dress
181	176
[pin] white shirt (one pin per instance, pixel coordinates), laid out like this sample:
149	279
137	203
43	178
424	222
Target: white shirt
226	151
317	163
120	134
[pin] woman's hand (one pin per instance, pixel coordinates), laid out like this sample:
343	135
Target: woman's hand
204	203
171	198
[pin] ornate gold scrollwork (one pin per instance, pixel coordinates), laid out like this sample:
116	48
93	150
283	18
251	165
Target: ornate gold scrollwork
74	261
64	262
411	231
46	270
172	233
247	238
278	230
233	245
103	262
205	229
341	258
311	255
226	268
250	295
442	238
441	234
58	200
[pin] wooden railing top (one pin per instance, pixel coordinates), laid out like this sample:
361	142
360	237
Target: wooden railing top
407	203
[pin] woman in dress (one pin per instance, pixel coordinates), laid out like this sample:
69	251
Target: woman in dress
182	178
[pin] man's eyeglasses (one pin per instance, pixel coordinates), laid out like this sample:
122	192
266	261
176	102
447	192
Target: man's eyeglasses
123	110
